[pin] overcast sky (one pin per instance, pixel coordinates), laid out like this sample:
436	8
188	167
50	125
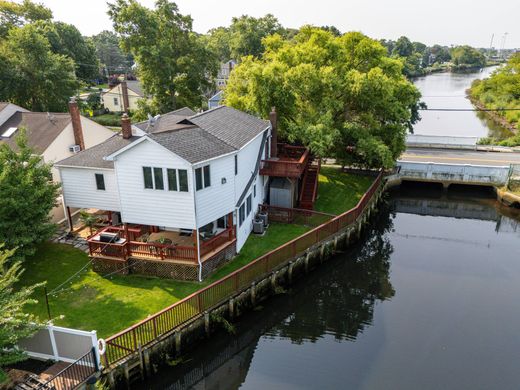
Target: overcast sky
433	21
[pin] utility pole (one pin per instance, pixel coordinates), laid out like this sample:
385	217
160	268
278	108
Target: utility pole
491	45
47	302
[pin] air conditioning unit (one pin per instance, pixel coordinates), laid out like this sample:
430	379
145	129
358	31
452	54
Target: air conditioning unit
258	226
263	217
74	148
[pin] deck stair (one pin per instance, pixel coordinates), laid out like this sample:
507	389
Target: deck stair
309	187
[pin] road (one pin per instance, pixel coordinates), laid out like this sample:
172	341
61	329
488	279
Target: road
451	156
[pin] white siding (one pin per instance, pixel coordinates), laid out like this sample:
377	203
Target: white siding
93	134
218	199
247	157
245	230
172	209
79	189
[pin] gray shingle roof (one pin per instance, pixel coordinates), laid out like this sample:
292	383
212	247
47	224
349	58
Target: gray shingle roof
197	138
135	86
93	157
234	127
192	144
167	121
41	128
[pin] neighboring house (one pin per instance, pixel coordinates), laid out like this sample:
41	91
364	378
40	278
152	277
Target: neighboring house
123	97
188	184
9	109
224	73
54	136
216	100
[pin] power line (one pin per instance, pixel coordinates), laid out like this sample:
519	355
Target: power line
469	109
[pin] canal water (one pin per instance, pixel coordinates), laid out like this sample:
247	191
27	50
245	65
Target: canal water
448	91
428	299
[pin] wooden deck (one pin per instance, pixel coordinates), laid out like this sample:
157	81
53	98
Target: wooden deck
290	162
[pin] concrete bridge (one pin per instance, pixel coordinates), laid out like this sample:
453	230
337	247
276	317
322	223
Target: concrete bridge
454	160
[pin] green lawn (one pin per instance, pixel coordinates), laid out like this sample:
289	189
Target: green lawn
110	304
338	191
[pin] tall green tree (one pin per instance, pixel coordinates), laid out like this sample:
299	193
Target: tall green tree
109	53
467	56
13	14
247	34
15	325
66	39
173	64
342	96
35	77
27	196
403	47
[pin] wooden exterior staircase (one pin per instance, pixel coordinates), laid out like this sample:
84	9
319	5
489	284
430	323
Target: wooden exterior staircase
309	187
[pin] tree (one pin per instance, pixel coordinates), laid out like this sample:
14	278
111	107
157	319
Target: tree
66	39
341	96
27	196
218	41
15	325
247	33
467	56
109	53
16	15
173	63
403	47
34	76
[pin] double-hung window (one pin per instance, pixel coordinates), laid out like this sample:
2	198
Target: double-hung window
158	178
241	214
154	179
100	181
249	203
202	177
172	179
148	178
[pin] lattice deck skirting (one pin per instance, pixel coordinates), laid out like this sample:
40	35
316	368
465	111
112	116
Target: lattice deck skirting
163	269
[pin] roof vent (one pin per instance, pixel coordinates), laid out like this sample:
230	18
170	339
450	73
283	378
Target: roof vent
74	148
51	118
9	132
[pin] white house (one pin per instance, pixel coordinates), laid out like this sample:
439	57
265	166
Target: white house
188	182
123	97
54	136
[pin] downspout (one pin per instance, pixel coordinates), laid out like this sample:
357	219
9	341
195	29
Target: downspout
198	254
196	224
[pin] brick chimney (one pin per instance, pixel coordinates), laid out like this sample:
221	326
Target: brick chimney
273	117
126	126
126	102
76	123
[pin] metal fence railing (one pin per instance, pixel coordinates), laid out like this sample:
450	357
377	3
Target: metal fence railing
74	375
131	339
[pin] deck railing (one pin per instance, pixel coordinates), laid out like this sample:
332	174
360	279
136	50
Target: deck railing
74	375
154	250
213	243
146	331
297	216
289	164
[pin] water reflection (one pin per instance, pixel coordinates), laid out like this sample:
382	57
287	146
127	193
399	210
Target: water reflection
427	300
335	300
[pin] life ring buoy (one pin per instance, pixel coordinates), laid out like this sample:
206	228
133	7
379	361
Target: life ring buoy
102	346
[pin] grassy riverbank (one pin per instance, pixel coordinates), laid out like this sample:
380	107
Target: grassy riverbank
111	303
501	92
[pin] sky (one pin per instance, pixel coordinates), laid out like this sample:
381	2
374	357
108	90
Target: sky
445	22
